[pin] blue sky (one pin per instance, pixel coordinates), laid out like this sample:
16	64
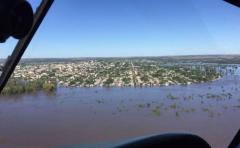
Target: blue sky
112	28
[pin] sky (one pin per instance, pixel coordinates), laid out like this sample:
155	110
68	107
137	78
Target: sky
125	28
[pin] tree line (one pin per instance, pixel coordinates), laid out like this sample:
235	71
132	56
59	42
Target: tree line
18	86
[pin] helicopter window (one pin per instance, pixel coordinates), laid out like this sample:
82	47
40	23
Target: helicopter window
99	72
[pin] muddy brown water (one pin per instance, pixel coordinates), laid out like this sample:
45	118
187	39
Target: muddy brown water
85	116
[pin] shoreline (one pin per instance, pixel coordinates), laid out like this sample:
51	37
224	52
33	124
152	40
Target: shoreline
103	87
139	86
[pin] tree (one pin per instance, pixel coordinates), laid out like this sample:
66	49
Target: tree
108	82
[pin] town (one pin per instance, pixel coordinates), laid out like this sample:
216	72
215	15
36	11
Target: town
115	73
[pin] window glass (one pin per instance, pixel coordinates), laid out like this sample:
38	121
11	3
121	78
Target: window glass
104	71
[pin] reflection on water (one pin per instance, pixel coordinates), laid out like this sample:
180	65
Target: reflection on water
92	115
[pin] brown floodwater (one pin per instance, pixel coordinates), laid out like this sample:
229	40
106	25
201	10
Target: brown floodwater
87	116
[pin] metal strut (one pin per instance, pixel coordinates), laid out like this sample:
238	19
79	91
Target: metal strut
22	44
234	2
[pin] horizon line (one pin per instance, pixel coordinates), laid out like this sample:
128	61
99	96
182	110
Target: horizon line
238	54
130	56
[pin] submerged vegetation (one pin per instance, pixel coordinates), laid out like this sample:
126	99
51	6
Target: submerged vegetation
156	111
17	86
181	105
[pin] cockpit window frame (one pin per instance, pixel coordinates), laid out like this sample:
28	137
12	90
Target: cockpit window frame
22	44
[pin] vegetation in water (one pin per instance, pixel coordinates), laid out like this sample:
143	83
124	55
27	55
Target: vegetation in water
156	111
16	86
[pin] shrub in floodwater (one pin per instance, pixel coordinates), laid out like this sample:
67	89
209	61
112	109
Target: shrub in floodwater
237	106
100	101
173	106
193	109
156	111
219	114
229	95
177	114
190	97
205	109
225	107
119	109
48	86
170	96
148	105
141	105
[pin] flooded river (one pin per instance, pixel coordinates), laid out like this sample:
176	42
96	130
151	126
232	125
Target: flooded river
82	116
